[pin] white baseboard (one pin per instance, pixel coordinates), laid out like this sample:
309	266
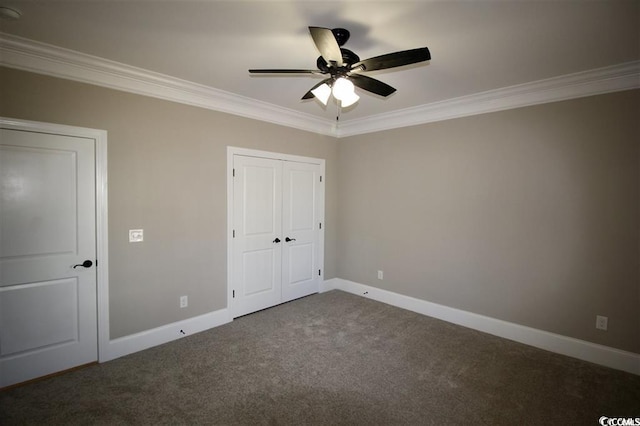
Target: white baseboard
576	348
167	333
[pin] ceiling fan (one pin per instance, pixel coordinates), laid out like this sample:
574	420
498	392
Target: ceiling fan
344	67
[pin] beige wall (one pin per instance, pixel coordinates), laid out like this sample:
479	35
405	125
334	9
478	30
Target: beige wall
167	174
530	216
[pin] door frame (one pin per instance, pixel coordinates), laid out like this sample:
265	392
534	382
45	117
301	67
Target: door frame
102	240
231	151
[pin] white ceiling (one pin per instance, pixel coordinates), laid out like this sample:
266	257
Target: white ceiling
476	46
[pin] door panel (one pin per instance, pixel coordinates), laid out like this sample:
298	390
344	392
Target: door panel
51	184
300	263
27	305
258	272
257	223
300	201
259	212
48	312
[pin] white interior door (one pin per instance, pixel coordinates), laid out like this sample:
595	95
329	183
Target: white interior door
276	253
258	233
48	308
301	230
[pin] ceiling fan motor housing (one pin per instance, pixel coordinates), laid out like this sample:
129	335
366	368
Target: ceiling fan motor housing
348	58
341	35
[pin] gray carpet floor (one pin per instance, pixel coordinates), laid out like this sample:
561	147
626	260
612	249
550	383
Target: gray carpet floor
331	358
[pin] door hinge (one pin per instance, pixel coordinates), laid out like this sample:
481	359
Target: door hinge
320	225
234	233
319	274
234	173
320	178
233	294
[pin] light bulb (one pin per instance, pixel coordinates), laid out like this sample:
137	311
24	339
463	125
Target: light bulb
343	89
322	93
349	100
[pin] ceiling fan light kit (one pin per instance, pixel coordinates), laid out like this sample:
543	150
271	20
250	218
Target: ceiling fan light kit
349	100
345	67
344	91
342	88
322	93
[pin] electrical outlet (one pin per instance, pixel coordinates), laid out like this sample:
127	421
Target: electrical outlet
184	301
601	322
380	275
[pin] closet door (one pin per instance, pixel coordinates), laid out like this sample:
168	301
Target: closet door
257	242
300	227
276	254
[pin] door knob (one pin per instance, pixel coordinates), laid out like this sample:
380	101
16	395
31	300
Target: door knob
289	239
277	240
86	264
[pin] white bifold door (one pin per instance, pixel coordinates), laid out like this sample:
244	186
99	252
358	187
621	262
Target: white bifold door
47	254
277	232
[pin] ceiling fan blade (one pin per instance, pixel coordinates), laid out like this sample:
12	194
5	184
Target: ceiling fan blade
275	71
391	60
310	95
371	85
327	45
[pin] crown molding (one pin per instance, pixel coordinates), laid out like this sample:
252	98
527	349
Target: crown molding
598	81
28	55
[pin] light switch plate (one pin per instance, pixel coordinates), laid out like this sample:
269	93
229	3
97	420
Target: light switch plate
136	235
